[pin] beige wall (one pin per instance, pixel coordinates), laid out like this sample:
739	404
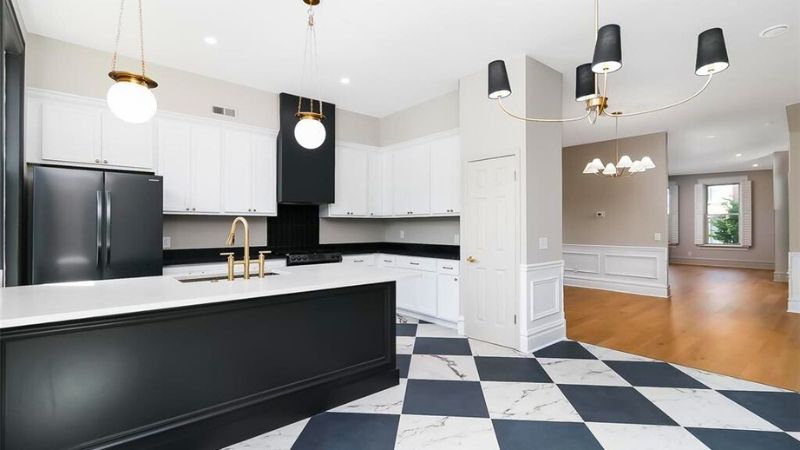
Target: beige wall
337	231
210	232
793	116
780	206
433	230
433	116
760	255
635	206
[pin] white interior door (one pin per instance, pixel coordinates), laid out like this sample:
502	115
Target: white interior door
490	277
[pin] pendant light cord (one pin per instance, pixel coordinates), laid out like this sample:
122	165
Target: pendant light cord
141	38
310	52
115	55
119	32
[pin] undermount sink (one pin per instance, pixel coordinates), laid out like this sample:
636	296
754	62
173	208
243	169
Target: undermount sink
217	278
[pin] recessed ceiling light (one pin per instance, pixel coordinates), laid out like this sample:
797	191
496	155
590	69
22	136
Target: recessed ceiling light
711	136
210	40
738	155
755	165
774	31
344	80
768	124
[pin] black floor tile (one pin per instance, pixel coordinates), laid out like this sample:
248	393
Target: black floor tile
614	404
653	374
565	349
511	369
403	362
406	329
349	431
441	346
528	435
445	398
717	439
781	409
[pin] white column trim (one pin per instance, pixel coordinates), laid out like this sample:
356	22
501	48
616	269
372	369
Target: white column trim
541	317
794	282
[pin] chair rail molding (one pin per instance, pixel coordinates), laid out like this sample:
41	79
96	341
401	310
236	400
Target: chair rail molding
541	311
794	282
629	269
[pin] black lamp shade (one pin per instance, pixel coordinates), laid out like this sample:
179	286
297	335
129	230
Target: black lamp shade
499	86
607	49
584	83
712	56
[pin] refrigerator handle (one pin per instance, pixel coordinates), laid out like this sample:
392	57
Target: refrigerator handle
99	230
108	228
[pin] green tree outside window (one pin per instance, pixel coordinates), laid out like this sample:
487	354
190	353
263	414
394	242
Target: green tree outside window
725	228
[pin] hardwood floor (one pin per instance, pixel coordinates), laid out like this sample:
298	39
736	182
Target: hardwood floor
729	321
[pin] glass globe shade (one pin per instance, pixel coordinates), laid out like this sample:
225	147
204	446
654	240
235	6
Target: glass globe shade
131	102
309	133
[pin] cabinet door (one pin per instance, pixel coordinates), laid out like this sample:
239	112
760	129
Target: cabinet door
446	185
206	169
237	167
411	169
174	163
426	293
387	185
351	182
126	144
447	297
375	184
265	177
406	291
71	132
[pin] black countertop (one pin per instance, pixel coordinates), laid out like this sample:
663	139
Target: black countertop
211	255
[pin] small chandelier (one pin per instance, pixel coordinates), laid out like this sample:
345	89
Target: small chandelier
310	132
130	97
712	58
624	166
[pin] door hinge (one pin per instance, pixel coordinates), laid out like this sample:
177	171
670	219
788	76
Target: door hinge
515	319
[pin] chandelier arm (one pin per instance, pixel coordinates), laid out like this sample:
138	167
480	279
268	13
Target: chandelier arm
532	119
661	108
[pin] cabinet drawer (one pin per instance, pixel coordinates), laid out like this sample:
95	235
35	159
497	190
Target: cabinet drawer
448	266
386	260
410	262
366	260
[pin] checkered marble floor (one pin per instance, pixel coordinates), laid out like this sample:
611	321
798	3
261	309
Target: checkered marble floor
458	393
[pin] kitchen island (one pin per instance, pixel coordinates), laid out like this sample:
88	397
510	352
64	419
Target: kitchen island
155	363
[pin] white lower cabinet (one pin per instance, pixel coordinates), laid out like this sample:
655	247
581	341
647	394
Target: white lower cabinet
432	293
447	297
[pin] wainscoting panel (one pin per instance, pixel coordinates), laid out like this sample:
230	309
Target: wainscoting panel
541	318
794	282
635	270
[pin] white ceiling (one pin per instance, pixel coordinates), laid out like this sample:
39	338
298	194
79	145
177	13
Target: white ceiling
404	52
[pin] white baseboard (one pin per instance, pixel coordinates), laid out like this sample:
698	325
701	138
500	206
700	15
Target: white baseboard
714	262
794	282
541	311
628	269
431	319
780	277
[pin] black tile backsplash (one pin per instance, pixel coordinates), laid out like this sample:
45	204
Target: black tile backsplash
295	226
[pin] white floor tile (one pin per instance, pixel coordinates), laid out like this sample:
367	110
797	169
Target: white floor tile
527	401
795	435
480	348
445	433
433	330
704	408
724	382
581	371
280	439
388	401
644	437
405	345
439	367
613	355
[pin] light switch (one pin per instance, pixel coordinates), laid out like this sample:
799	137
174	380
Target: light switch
543	244
166	242
657	236
402	234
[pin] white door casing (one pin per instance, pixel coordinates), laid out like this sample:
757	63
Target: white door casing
490	272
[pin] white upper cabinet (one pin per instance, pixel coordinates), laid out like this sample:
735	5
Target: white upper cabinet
174	154
70	133
126	144
351	182
265	174
412	180
446	184
206	163
375	185
238	172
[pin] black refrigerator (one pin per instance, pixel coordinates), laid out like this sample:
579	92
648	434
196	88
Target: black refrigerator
94	225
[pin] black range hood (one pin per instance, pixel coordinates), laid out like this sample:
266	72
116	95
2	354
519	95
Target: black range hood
305	176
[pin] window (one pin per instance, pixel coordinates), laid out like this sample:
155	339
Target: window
722	214
673	209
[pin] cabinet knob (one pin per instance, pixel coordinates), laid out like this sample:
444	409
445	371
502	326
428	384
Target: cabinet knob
97	160
254	210
471	259
105	161
193	209
187	209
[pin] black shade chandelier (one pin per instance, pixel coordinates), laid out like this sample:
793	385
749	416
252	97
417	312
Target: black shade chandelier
591	79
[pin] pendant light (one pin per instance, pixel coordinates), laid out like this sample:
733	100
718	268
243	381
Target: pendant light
309	131
130	97
625	165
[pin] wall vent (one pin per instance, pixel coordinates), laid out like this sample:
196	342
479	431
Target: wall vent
223	111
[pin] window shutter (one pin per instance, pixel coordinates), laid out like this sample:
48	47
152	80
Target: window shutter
699	214
746	213
674	221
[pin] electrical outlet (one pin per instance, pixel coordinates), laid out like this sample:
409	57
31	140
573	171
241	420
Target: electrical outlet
402	234
456	238
657	236
166	242
543	243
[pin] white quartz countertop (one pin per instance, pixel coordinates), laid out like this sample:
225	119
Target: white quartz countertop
48	303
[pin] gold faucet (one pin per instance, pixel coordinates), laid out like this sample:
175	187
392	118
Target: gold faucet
230	241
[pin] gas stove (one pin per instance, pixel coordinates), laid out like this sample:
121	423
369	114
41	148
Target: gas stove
302	259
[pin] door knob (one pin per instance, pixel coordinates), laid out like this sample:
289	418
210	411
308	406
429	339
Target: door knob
471	259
